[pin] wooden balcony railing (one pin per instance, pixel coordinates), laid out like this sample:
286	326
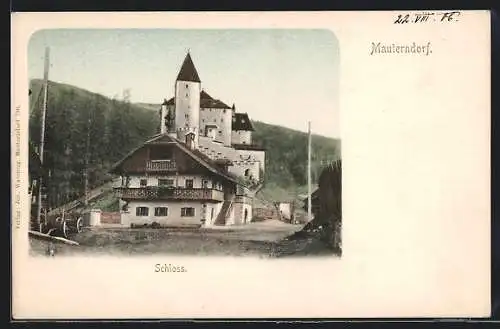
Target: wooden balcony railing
161	165
165	193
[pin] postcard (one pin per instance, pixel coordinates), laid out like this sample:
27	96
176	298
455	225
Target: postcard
204	165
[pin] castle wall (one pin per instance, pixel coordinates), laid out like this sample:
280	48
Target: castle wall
219	117
241	137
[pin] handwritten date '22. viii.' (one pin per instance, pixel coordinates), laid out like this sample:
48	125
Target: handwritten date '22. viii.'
427	17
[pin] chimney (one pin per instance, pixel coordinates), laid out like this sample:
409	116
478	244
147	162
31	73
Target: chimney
163	118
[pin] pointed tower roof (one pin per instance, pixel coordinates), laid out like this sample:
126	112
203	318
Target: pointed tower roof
188	71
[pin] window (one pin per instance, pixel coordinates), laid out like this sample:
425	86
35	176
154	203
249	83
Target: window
222	120
187	212
142	211
215	120
187	86
246	215
205	184
144	182
220	132
189	183
186	94
161	211
247	172
224	111
165	182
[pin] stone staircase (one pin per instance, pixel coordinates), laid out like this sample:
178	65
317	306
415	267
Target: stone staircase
224	211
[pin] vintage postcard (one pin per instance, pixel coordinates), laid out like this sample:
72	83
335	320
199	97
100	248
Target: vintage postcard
250	164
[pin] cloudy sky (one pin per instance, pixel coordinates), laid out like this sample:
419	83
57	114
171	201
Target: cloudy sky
283	77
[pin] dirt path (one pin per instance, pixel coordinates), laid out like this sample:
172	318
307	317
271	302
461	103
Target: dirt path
122	242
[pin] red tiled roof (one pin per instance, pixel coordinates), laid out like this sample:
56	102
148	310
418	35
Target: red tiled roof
206	101
204	95
188	71
241	121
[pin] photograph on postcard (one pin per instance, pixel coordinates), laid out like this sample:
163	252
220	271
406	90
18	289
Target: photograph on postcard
184	142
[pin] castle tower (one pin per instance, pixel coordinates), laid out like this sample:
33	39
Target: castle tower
187	101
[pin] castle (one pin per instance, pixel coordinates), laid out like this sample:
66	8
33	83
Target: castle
201	169
217	129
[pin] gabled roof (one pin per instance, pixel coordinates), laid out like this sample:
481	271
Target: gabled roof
241	121
206	101
205	96
196	155
188	71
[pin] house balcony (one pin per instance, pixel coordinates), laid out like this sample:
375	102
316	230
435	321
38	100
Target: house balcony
169	193
161	165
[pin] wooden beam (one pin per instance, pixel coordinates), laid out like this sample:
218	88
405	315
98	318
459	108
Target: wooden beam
47	237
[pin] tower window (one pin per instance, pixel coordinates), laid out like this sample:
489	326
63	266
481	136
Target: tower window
215	120
222	120
186	94
187	86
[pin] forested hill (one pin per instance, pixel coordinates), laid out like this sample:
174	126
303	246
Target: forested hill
88	130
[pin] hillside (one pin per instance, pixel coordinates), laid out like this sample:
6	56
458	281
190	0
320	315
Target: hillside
83	128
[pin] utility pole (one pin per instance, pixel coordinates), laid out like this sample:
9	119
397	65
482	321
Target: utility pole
87	156
42	135
309	192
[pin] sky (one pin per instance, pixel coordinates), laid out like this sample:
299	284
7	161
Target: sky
283	77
